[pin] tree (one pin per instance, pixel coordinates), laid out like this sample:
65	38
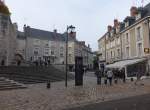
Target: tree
95	63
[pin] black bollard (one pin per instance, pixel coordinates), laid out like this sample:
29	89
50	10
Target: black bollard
98	80
132	79
115	81
48	85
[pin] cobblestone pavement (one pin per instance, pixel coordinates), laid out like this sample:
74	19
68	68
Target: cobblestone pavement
37	97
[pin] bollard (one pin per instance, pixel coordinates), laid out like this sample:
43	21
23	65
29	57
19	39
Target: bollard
132	79
115	81
48	85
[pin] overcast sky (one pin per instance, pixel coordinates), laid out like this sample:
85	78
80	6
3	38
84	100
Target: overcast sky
90	17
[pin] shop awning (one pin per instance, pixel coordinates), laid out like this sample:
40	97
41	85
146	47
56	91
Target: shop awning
124	63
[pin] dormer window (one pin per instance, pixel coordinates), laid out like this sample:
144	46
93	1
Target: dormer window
112	33
117	29
107	36
138	16
127	38
127	24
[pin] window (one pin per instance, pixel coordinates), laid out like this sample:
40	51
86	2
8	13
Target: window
36	42
36	52
139	49
139	34
46	51
118	52
99	46
127	52
69	49
138	16
61	49
111	44
127	38
107	55
52	52
126	24
46	44
111	54
70	58
107	46
4	32
61	55
118	41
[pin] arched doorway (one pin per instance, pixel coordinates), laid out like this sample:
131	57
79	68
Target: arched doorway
19	59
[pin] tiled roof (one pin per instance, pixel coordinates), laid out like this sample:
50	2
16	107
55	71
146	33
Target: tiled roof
45	35
147	7
20	35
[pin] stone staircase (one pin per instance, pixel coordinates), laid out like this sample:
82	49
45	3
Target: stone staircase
33	74
6	84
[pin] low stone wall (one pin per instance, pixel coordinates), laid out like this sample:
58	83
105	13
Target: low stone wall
60	67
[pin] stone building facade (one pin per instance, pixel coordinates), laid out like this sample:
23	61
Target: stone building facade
8	33
128	41
36	45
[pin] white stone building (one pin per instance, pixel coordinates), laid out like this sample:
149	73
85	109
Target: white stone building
35	45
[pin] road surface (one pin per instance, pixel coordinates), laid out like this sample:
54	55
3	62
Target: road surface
132	103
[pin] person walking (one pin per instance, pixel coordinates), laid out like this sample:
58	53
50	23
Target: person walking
98	73
109	76
138	76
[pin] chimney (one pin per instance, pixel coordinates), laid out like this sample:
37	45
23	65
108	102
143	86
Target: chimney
109	28
15	26
55	30
133	11
82	42
72	34
116	23
24	27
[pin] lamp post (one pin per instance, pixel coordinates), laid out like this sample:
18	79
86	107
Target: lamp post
70	30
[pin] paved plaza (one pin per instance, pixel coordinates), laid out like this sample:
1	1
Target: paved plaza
38	97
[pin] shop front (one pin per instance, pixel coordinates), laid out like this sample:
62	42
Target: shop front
132	67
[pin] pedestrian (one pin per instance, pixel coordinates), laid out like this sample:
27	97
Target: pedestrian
105	77
98	73
109	76
123	75
115	72
138	76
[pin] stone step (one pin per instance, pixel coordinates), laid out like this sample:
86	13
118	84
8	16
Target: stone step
10	85
6	84
11	88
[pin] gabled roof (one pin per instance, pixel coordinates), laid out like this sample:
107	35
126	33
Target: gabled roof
147	7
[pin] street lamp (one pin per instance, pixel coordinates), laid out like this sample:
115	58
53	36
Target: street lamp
70	30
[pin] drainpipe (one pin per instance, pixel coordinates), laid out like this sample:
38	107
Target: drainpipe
149	40
149	29
105	50
121	46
